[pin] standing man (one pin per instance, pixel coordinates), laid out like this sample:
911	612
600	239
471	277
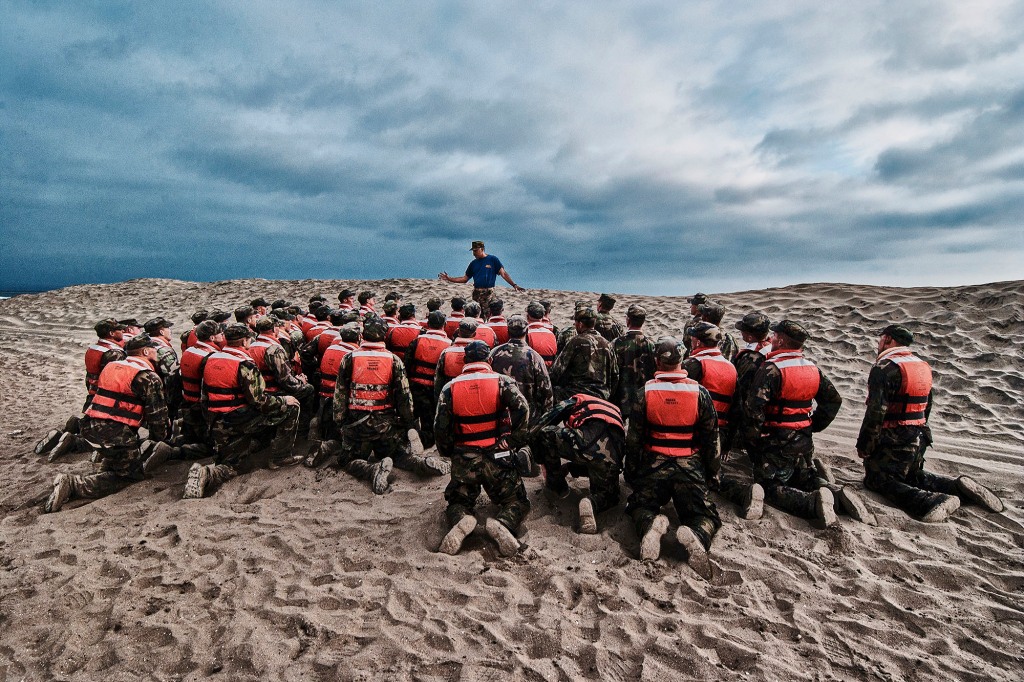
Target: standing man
895	435
695	301
484	271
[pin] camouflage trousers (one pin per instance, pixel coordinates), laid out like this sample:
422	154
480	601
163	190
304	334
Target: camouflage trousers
595	452
783	466
501	481
681	481
895	470
484	298
120	463
424	406
195	433
365	434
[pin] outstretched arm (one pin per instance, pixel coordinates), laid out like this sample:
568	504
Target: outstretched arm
508	278
445	277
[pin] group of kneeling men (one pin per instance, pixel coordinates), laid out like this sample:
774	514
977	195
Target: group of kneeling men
501	399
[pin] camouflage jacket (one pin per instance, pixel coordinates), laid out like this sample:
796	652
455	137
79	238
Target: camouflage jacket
765	387
608	328
563	337
728	346
884	383
149	387
279	365
399	393
517	360
634	356
685	341
511	399
586	365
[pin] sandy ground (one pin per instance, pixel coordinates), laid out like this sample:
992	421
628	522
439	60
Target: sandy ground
303	575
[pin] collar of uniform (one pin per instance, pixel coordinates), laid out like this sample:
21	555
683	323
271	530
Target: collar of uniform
634	332
139	361
496	318
896	350
677	375
706	351
372	345
459	341
456	315
412	324
471	367
436	332
793	352
269	339
237	351
203	345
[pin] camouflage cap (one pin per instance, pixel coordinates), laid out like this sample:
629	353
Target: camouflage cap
198	316
156	324
476	245
697	299
434	303
707	333
279	303
496	306
435	319
585	314
207	329
516	325
337	317
754	323
899	334
259	302
282	314
390	307
266	323
458	302
407	311
140	341
244	312
220	315
236	331
712	312
393	296
667	351
472	309
349	316
322	313
349	332
790	329
535	310
129	322
317	297
477	351
607	300
636	312
345	294
467	327
104	327
374	328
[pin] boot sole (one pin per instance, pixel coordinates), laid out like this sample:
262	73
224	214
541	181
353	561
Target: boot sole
942	511
452	542
588	523
650	546
506	541
380	478
47	442
824	507
195	486
696	555
979	494
855	507
61	493
755	507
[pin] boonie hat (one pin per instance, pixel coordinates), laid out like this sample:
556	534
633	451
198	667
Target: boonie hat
791	329
754	323
516	325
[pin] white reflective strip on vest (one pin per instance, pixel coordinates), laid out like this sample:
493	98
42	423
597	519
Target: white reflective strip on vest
715	355
371	354
475	375
667	386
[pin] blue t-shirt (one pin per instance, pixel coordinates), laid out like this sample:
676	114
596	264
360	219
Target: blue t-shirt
484	271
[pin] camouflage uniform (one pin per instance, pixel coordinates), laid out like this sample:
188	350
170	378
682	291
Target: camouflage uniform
279	365
517	360
894	467
563	337
585	365
728	346
483	296
476	467
594	450
608	328
782	458
634	356
656	479
690	324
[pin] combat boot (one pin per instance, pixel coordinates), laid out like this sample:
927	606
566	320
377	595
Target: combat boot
754	507
650	546
452	542
978	494
851	503
824	471
943	508
507	543
437	465
47	442
195	486
159	454
379	481
824	507
555	483
696	555
63	446
61	493
588	523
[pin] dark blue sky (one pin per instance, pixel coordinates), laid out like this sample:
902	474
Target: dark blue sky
651	147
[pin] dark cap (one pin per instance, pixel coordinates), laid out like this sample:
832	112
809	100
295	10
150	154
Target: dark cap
266	323
477	351
318	297
156	324
129	322
607	300
349	332
393	296
435	319
316	305
667	351
546	304
243	312
636	312
476	245
434	303
259	302
199	315
697	299
207	329
516	325
496	306
467	327
279	303
707	333
337	317
236	331
140	341
365	296
390	307
458	302
790	329
374	328
345	293
712	312
585	314
349	315
322	313
219	315
754	323
535	310
899	334
282	314
407	310
104	327
472	309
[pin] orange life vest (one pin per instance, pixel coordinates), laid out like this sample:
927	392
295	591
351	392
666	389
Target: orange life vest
423	364
93	357
326	338
672	404
451	323
542	340
907	408
486	334
315	330
588	407
453	358
499	325
791	409
399	337
192	362
114	399
330	364
370	386
222	390
476	406
719	377
258	351
305	322
189	341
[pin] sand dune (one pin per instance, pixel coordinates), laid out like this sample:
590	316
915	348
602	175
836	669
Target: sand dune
296	574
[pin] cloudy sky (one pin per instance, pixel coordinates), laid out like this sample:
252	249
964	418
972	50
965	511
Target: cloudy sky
645	147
